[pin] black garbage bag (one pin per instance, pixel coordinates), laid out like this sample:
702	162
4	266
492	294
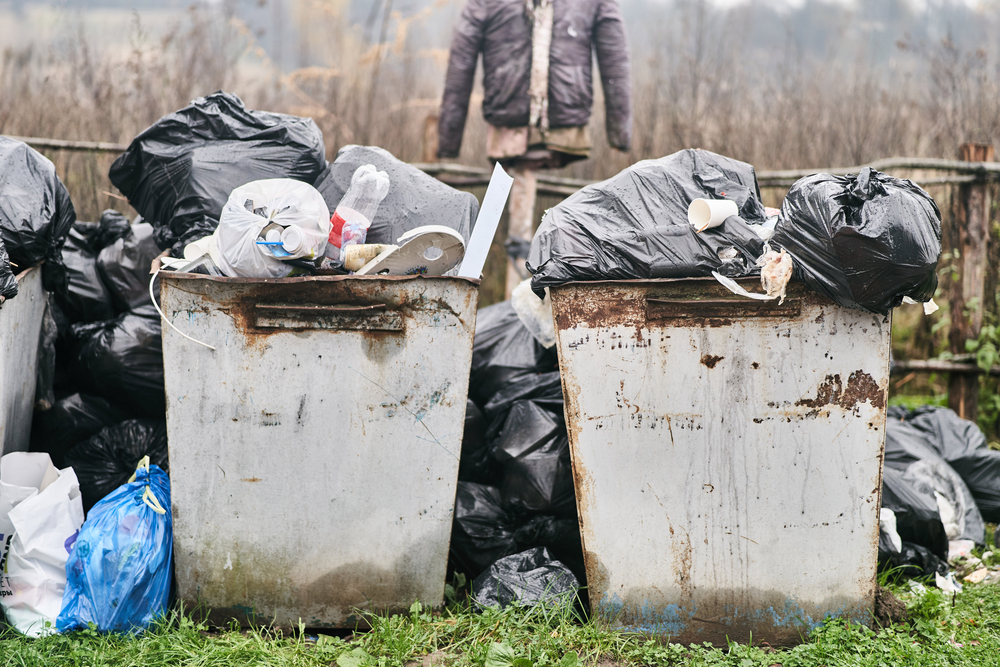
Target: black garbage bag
36	213
70	421
481	532
917	517
113	226
122	360
962	444
533	450
415	199
913	560
864	241
635	224
45	364
124	266
179	172
561	535
8	282
907	448
476	463
107	460
528	578
87	298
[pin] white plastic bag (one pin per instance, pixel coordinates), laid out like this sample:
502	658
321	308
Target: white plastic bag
283	201
45	515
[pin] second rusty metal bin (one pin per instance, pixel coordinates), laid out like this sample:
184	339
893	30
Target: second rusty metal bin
727	456
20	325
314	453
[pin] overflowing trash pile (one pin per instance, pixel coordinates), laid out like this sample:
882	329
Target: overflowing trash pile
940	484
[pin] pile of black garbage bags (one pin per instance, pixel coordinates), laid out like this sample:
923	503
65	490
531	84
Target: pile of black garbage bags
941	481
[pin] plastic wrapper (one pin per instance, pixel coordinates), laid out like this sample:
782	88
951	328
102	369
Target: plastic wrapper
124	266
108	458
528	578
415	199
907	449
36	213
179	172
635	224
962	444
917	517
87	298
122	360
70	421
533	450
118	575
8	282
865	240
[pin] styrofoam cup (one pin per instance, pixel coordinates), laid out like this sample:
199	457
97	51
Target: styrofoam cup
707	213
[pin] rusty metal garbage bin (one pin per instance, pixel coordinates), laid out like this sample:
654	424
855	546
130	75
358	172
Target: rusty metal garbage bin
314	454
20	326
727	456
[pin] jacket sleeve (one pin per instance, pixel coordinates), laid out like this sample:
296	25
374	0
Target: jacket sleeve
611	46
465	47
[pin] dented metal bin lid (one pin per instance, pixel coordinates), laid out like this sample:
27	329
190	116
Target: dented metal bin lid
314	453
727	456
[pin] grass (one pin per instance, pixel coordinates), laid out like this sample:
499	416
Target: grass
963	629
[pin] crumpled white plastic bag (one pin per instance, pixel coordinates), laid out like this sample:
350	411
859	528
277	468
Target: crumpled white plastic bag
284	201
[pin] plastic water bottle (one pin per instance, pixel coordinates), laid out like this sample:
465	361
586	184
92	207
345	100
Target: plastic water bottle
355	211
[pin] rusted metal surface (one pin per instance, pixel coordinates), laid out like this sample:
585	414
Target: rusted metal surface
20	325
727	463
314	453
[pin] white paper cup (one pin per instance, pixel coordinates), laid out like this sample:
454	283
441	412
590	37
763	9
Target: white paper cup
707	213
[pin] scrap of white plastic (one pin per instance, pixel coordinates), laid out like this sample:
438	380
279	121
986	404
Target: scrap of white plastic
486	224
947	584
929	306
735	288
535	314
887	525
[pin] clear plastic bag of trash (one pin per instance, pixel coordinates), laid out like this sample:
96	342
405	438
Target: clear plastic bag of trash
36	213
415	199
179	172
266	223
528	579
864	241
635	224
119	573
106	460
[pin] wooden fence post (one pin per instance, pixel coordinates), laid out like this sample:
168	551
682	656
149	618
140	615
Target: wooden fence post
431	137
970	233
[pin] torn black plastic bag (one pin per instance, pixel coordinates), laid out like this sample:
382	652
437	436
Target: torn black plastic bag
907	449
962	444
87	298
36	213
917	517
528	578
179	172
122	360
71	421
124	266
8	281
635	224
533	450
864	241
107	459
415	199
504	352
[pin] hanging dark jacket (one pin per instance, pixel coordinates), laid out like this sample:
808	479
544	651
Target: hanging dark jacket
501	31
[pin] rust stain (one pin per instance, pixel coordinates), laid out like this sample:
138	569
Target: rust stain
251	479
860	387
710	360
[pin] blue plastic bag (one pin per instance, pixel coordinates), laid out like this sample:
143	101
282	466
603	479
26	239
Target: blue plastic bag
118	574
